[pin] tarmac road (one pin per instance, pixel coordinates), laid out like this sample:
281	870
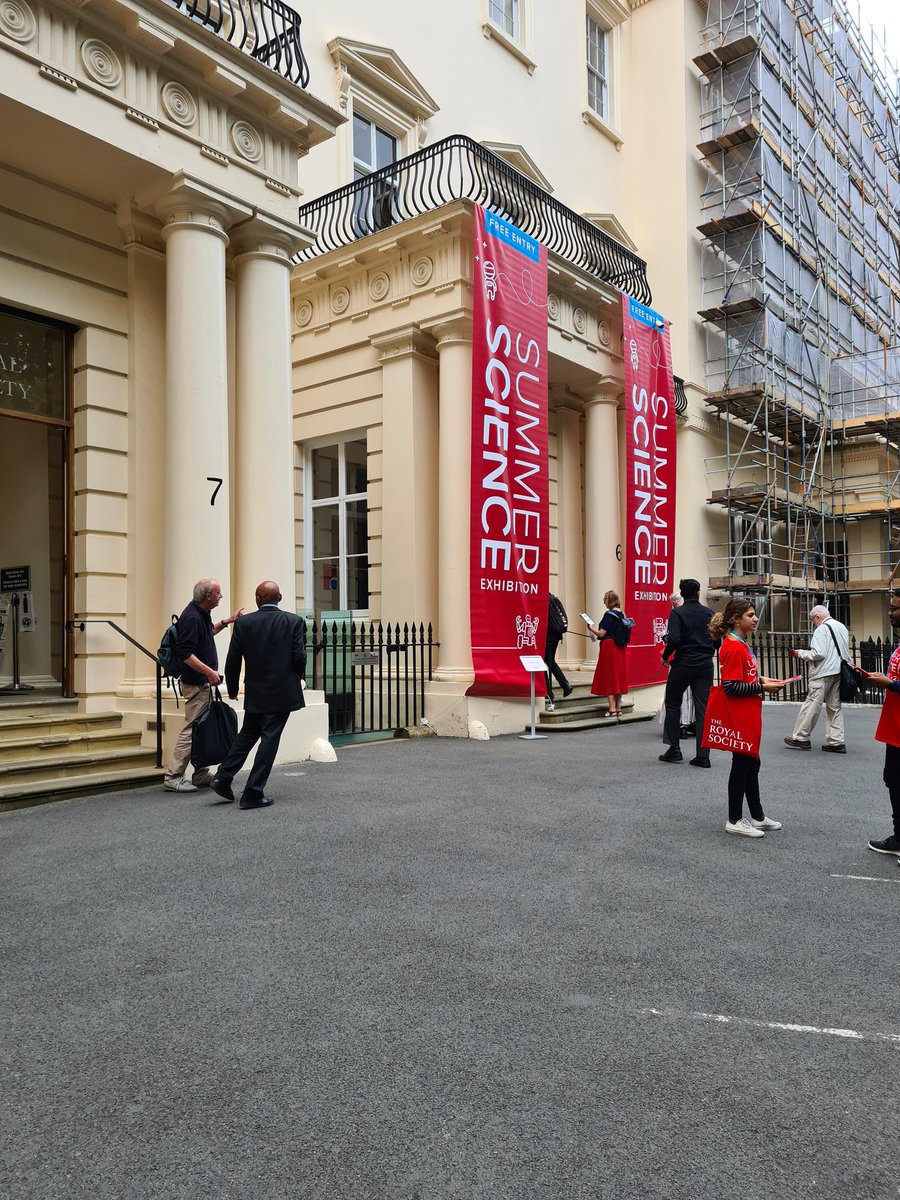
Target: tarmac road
443	969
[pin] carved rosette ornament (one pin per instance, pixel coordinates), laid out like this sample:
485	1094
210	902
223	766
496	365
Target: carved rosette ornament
553	307
379	285
303	313
247	141
178	103
17	20
579	320
604	334
340	299
421	271
101	62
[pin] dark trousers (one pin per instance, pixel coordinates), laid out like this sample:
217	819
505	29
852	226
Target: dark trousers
699	680
892	782
744	781
553	640
265	728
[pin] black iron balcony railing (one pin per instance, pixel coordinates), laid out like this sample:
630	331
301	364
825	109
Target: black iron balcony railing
267	30
457	168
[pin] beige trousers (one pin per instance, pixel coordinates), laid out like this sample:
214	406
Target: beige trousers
196	697
825	690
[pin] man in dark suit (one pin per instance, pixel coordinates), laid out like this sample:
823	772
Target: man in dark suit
272	645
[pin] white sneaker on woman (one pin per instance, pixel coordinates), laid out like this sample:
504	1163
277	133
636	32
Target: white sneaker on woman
765	823
743	827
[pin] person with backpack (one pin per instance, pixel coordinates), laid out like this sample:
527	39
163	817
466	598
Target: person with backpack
689	654
611	675
557	625
198	664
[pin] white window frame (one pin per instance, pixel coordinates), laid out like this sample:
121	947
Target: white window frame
520	43
608	15
514	13
342	499
594	31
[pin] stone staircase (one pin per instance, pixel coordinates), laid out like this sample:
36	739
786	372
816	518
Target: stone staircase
49	749
581	710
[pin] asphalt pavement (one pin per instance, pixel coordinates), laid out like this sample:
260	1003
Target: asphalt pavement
443	968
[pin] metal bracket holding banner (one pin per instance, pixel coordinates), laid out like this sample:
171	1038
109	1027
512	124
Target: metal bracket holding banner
534	665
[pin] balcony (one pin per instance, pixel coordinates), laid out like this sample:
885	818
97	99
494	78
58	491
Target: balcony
267	30
457	168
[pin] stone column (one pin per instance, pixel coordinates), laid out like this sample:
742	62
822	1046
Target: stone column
602	531
570	520
409	509
454	346
197	532
264	545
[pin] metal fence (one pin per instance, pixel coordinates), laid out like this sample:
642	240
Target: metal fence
773	658
373	675
458	168
267	30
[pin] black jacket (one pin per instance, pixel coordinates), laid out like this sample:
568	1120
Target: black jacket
272	645
687	638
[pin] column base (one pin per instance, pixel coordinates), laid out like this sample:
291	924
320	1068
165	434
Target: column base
451	713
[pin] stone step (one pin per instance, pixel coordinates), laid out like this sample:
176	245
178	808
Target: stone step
55	742
566	710
37	791
546	726
50	770
46	723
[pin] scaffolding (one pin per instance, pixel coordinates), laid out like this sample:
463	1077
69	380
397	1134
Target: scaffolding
800	299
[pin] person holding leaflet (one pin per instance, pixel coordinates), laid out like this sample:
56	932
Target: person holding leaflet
740	681
611	675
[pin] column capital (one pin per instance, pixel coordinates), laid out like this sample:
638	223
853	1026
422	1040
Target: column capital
190	202
451	329
266	237
605	392
139	228
564	400
406	342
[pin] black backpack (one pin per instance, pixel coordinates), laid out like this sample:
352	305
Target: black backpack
167	657
558	621
621	632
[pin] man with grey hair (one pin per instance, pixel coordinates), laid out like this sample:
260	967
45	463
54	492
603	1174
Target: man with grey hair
830	643
196	652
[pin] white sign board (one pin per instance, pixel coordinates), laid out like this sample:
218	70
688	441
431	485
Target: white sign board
532	662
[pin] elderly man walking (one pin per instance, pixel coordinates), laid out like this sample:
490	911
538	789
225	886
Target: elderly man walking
830	643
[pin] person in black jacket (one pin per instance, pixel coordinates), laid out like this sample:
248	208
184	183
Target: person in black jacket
272	645
689	654
557	624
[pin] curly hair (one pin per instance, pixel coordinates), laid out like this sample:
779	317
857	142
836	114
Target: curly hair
723	621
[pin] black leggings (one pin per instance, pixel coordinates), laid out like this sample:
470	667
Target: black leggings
744	781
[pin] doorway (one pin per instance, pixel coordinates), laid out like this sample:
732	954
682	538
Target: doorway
35	429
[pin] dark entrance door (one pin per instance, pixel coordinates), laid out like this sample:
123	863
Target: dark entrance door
34	503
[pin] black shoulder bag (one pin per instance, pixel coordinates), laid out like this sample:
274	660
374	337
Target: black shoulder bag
849	681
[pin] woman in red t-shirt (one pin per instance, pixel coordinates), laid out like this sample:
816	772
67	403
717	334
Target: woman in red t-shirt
740	680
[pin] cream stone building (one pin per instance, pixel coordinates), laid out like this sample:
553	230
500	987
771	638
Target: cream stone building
236	297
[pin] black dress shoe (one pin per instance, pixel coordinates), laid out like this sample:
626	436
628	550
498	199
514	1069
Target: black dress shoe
669	757
699	762
262	802
222	789
568	690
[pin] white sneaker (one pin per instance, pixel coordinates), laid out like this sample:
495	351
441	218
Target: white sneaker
743	827
549	706
765	823
180	784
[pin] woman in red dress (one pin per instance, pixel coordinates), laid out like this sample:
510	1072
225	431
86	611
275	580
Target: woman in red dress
611	675
740	681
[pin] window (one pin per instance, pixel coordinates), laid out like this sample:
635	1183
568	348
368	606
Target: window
338	519
505	14
603	20
373	148
598	77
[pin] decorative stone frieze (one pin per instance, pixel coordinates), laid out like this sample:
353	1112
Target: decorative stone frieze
340	299
303	313
379	285
17	21
421	271
247	141
178	104
101	62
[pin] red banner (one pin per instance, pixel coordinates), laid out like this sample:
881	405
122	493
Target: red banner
509	564
649	487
